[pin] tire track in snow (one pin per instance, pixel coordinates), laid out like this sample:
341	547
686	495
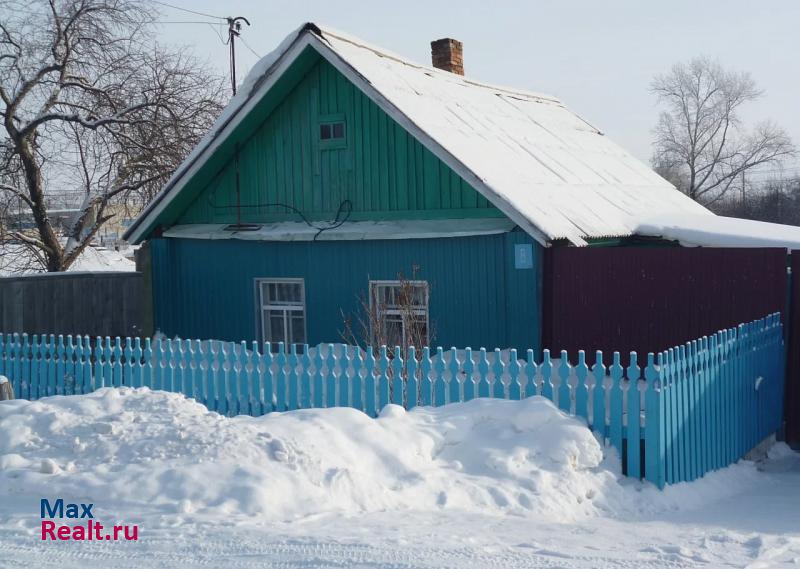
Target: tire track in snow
256	549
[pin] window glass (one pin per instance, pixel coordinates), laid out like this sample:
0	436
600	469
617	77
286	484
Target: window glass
298	324
293	293
276	322
331	131
324	131
402	310
394	330
282	306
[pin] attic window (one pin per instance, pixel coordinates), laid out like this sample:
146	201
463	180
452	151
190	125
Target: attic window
332	133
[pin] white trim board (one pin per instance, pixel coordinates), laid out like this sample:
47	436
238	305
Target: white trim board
351	231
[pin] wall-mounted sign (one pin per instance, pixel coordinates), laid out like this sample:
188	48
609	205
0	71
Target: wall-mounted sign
523	256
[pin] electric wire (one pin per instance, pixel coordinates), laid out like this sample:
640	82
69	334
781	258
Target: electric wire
189	11
337	222
247	45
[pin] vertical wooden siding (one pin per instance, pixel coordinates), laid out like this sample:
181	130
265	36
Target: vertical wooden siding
647	299
205	289
382	170
73	303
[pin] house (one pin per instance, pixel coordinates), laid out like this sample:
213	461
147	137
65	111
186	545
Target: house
340	166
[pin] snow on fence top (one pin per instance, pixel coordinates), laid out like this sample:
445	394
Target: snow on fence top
545	167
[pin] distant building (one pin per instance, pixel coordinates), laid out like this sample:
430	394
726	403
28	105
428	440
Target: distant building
110	234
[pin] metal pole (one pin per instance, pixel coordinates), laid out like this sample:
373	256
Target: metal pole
234	29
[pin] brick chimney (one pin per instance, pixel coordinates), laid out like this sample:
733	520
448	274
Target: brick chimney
448	54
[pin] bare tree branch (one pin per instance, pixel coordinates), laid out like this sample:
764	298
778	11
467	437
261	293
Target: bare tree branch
700	144
93	108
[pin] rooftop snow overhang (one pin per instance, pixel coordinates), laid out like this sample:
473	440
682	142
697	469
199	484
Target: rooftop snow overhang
719	231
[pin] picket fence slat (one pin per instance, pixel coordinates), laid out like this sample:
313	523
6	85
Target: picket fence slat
564	391
689	410
633	422
514	370
617	409
655	425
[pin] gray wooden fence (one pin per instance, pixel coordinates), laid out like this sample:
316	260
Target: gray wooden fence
97	304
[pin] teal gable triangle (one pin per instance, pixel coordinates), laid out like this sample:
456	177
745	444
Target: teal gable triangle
286	168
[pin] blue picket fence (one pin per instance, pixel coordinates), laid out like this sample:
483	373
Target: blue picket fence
721	395
700	406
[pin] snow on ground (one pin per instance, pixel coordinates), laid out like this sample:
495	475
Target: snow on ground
97	259
488	483
16	260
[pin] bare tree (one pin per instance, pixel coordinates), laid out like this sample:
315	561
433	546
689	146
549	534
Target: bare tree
406	326
399	322
774	200
701	145
93	108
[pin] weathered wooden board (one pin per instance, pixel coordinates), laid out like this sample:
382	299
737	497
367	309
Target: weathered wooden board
97	304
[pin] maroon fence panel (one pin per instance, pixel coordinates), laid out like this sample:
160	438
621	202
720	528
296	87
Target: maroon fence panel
650	298
792	399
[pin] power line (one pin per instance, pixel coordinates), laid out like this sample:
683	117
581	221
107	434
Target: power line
209	24
250	48
216	31
183	22
188	11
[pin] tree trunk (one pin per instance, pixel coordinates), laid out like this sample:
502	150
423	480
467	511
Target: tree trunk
53	250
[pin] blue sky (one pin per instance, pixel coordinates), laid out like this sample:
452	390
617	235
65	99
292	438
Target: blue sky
597	56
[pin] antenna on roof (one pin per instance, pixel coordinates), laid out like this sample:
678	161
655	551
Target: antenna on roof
234	30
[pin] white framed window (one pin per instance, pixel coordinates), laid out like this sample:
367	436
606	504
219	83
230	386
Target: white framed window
401	309
282	310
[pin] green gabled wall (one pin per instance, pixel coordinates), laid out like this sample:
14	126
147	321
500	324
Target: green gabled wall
382	170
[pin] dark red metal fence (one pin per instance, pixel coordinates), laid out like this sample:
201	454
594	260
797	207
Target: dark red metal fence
651	298
792	400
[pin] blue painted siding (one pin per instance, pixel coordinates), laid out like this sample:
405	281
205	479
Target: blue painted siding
205	288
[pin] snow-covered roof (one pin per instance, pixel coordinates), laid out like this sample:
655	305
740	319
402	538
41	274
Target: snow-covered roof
718	231
547	169
97	259
353	231
16	260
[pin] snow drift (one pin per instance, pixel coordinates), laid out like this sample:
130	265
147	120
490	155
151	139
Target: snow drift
160	453
169	452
